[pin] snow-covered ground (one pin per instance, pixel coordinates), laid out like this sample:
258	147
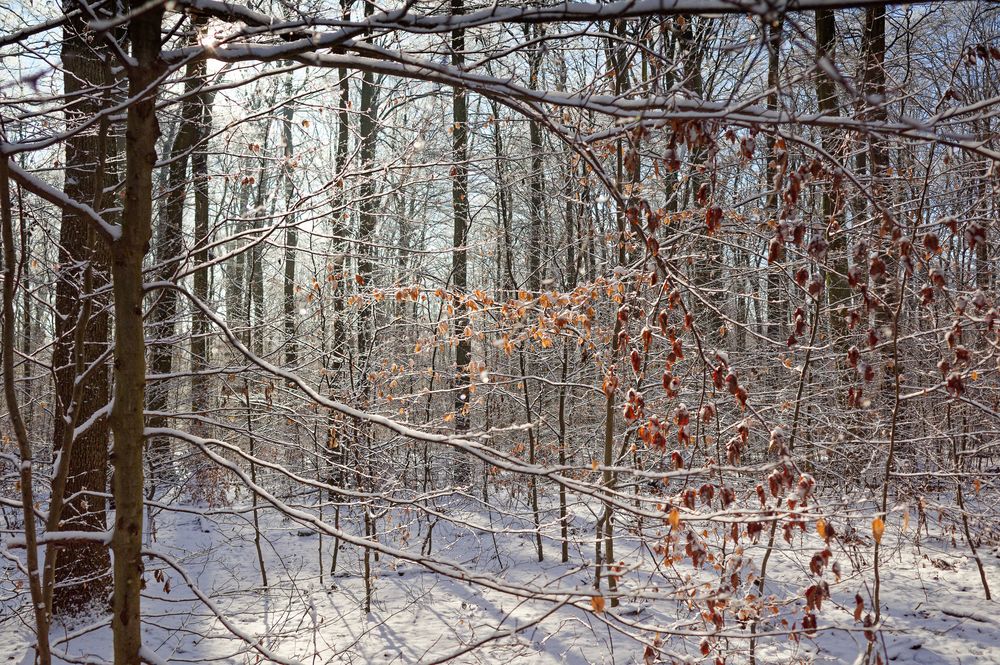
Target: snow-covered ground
933	603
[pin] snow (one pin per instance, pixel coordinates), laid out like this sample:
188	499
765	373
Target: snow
211	606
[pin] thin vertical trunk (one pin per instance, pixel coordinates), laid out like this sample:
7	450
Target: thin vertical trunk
826	98
257	297
706	273
169	246
291	237
983	266
341	347
507	283
340	212
254	499
538	227
366	268
236	287
460	234
958	455
130	360
873	92
199	322
532	449
27	318
563	511
604	557
41	610
776	307
569	283
367	218
255	294
536	268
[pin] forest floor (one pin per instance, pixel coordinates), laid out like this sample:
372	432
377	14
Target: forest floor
933	603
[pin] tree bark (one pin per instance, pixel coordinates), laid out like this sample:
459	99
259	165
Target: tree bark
367	218
536	266
460	233
169	246
291	236
83	577
35	587
839	292
777	311
130	362
199	322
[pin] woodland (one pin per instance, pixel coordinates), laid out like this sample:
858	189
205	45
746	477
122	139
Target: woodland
483	331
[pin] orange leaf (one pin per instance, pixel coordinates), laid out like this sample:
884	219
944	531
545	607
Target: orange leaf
675	518
821	529
597	602
878	528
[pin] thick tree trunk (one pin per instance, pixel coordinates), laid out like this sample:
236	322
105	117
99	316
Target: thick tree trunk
83	577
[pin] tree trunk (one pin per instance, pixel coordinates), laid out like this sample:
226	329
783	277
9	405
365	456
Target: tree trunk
255	270
706	273
873	97
460	231
169	246
236	271
776	307
367	220
536	267
291	237
130	361
83	577
839	292
26	466
199	323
